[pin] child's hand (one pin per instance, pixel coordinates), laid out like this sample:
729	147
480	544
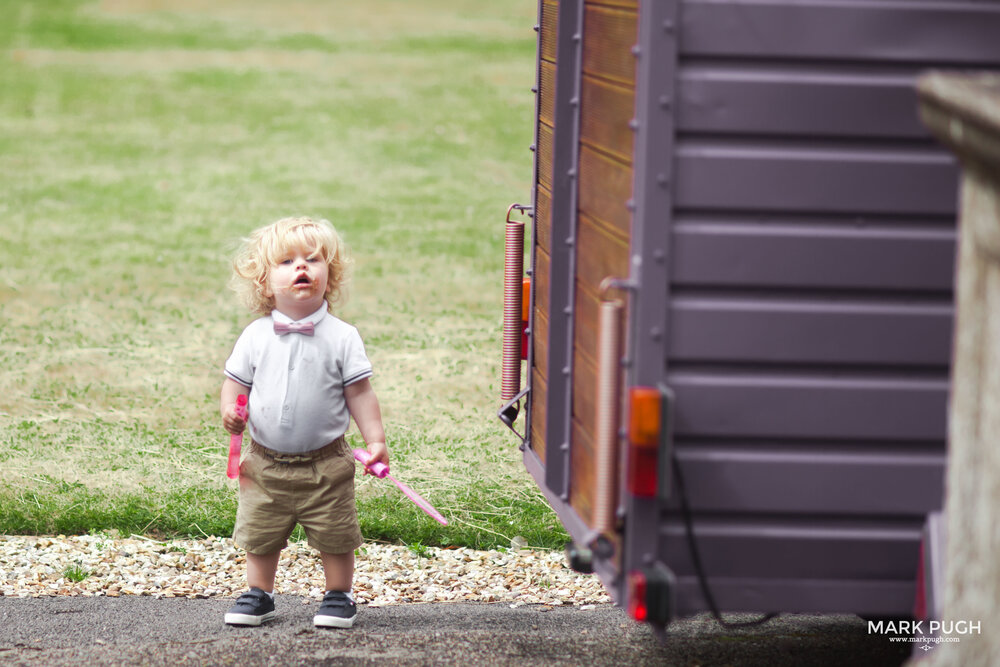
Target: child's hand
377	453
232	421
231	391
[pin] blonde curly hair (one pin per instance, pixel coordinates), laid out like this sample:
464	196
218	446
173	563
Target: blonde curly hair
266	246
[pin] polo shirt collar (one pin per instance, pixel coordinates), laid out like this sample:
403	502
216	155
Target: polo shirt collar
315	318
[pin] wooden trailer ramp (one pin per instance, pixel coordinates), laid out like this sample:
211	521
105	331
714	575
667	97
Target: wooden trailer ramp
597	243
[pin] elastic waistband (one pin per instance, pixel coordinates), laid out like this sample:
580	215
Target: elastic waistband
336	448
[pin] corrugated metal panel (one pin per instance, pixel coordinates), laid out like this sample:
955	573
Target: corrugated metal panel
849	180
792	549
810	310
790	331
814	253
942	32
748	472
721	99
833	406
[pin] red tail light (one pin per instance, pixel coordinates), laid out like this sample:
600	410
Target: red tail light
645	425
651	592
637	607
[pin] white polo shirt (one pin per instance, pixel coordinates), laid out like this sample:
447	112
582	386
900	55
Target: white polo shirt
297	381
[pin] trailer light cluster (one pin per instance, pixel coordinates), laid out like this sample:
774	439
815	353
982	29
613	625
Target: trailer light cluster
650	594
637	607
644	433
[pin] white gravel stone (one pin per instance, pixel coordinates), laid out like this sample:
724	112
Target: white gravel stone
95	565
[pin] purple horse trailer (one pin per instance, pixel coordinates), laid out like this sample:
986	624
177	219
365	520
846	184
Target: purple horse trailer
740	309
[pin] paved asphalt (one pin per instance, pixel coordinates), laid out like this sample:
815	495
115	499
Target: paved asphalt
146	631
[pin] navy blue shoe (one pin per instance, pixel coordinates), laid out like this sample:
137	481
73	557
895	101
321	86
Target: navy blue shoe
252	608
337	611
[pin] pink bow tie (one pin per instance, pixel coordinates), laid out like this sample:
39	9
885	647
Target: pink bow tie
304	328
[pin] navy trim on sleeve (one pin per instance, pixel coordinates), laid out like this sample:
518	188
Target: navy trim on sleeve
357	377
234	378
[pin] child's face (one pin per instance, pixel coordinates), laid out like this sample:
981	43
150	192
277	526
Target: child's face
298	282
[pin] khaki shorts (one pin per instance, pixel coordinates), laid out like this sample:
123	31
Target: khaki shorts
315	490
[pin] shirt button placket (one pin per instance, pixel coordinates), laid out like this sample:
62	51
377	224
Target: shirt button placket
290	389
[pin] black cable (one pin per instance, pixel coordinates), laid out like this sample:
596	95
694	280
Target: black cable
696	559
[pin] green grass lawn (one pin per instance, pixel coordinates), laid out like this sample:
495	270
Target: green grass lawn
140	139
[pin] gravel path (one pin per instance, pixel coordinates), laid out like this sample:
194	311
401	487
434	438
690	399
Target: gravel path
95	565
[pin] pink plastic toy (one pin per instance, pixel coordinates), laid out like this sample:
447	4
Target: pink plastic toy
236	441
381	471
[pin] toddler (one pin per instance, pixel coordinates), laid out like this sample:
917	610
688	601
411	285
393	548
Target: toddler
306	375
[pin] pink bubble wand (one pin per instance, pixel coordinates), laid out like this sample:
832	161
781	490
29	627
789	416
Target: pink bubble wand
236	441
381	471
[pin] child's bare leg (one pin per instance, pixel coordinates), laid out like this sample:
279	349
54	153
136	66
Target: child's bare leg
338	609
339	571
261	569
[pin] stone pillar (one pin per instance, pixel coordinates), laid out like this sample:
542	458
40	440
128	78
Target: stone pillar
963	111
